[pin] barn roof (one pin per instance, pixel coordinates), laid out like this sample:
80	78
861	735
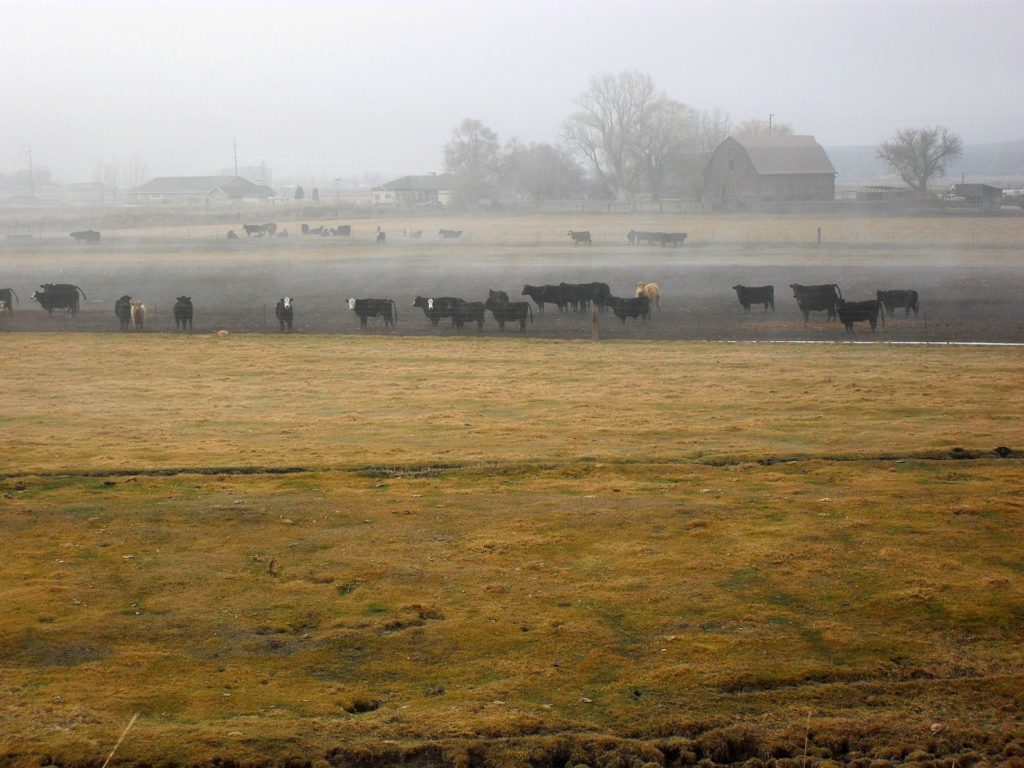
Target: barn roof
232	186
785	154
429	183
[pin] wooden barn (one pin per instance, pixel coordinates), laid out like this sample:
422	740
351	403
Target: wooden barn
747	171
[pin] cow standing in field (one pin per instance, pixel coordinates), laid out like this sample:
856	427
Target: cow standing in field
851	312
546	294
580	238
450	234
123	311
652	291
436	308
762	294
817	298
6	296
90	236
58	296
284	313
381	236
516	311
893	300
498	297
365	308
469	312
183	313
639	307
139	315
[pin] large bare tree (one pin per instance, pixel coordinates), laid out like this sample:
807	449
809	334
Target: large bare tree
540	171
603	129
664	137
712	127
755	127
919	154
472	153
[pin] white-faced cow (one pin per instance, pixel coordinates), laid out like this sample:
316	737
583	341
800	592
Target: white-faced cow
58	296
183	313
284	313
365	308
761	294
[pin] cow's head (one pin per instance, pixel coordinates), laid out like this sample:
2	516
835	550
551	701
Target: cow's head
286	302
737	288
352	304
34	296
184	299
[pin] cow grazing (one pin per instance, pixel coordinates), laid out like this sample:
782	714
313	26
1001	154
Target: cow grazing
580	238
138	315
90	236
893	300
623	308
517	311
232	235
500	297
365	308
449	234
546	294
652	291
817	298
762	294
183	313
123	311
58	296
8	297
851	312
436	308
284	312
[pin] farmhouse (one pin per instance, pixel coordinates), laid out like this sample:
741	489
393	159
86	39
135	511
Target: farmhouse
199	190
748	170
428	192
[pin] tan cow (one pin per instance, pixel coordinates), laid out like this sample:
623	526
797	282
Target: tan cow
138	315
651	291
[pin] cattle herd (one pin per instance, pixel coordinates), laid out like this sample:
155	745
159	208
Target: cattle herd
566	297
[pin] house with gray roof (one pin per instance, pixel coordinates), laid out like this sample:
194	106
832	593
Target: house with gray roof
749	170
199	190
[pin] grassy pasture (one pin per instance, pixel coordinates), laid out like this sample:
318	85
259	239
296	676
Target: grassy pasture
508	552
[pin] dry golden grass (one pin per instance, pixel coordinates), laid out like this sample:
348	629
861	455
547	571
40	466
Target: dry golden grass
584	589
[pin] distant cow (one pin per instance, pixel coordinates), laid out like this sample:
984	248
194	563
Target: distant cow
183	313
381	237
90	236
284	312
510	311
449	234
413	234
436	308
817	298
58	296
500	297
6	296
259	230
580	237
893	300
762	294
139	315
623	308
365	308
232	235
851	312
470	312
342	230
652	291
123	311
546	294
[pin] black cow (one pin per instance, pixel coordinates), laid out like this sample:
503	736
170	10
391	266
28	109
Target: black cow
580	237
436	308
342	230
284	311
183	313
623	308
58	296
320	231
90	236
762	294
469	312
545	294
497	296
851	312
449	234
260	229
123	311
672	238
817	298
577	295
381	236
232	235
6	294
514	311
893	300
365	308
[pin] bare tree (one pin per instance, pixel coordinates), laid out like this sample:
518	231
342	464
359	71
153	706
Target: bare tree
472	153
918	154
136	172
755	127
712	128
539	171
604	128
664	137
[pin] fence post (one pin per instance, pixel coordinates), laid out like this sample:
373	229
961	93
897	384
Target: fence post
925	327
595	333
819	235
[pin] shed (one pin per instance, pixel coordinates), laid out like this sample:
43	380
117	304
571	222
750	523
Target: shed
434	190
754	169
979	194
199	190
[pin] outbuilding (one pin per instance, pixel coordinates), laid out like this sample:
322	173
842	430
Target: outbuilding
199	190
749	170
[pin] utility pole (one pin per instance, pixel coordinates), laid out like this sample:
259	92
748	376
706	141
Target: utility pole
234	144
770	116
31	176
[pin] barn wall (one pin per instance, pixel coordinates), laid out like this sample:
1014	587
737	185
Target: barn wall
730	177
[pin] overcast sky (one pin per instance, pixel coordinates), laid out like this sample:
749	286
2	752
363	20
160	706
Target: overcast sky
335	88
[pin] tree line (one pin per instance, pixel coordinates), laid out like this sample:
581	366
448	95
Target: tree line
625	139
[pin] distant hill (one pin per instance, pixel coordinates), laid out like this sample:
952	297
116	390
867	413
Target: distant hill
1000	164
